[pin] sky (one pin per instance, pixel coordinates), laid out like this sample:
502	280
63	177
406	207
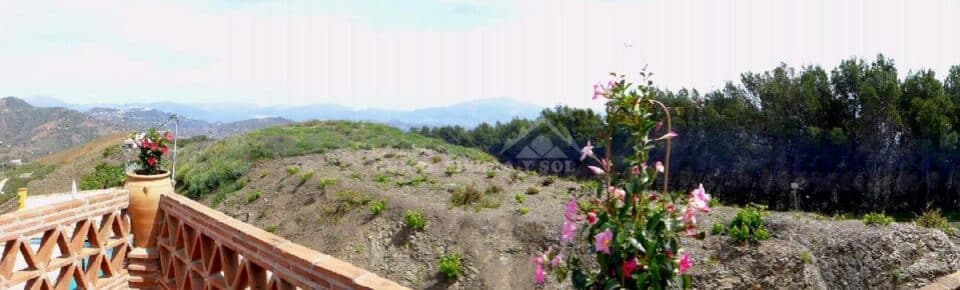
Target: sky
425	53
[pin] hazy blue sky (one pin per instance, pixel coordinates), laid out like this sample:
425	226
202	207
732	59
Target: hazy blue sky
407	54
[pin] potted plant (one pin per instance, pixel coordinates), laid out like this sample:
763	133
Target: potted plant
147	183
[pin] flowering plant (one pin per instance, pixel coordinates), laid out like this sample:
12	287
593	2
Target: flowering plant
152	145
633	231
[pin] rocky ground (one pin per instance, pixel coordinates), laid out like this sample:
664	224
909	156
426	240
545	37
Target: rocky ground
806	251
809	251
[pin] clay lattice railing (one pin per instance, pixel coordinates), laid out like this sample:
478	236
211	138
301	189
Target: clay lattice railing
78	243
201	248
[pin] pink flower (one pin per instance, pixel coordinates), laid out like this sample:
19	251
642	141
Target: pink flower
541	274
671	208
635	171
603	241
595	170
659	125
689	215
556	260
587	151
629	266
569	230
165	150
701	200
597	91
573	211
654	197
669	135
169	136
616	192
152	161
592	217
659	166
685	263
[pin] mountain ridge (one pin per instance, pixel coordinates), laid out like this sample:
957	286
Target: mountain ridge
466	114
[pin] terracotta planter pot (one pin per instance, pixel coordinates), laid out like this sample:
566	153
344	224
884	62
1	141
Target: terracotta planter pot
145	191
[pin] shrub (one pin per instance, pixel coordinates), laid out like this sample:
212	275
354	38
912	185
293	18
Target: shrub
450	265
377	207
254	196
493	189
748	225
548	180
272	228
714	202
532	190
325	183
382	178
291	170
806	257
718	229
877	219
465	195
415	181
934	219
306	177
415	220
389	155
491	173
451	170
104	176
517	176
345	201
520	198
436	159
523	210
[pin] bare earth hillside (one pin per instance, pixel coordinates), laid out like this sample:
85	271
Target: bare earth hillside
806	251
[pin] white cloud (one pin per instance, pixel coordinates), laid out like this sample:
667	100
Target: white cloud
545	52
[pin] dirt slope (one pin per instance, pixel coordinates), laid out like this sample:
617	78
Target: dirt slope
806	251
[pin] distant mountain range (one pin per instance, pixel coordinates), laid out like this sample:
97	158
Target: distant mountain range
37	126
467	114
27	131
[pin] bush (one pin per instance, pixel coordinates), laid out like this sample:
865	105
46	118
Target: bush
493	189
450	265
382	178
748	225
272	228
104	176
718	229
877	219
451	170
934	219
254	196
523	210
549	180
415	220
291	170
377	207
325	183
306	177
436	159
491	173
344	202
415	181
533	190
519	198
465	196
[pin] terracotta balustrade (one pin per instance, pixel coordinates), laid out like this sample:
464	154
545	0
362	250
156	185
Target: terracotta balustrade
85	243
